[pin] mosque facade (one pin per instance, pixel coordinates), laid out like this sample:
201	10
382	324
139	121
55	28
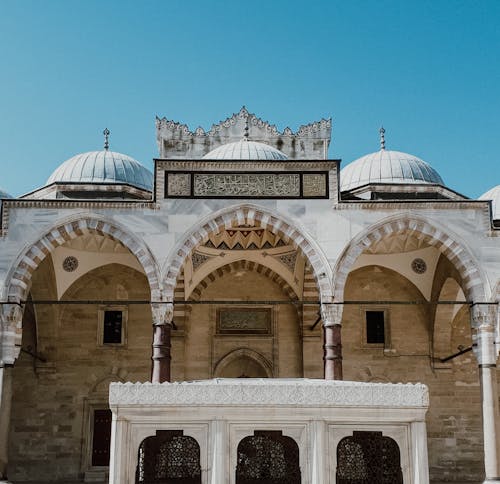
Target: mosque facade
249	313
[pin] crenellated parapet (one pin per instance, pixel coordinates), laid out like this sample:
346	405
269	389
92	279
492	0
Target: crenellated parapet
176	141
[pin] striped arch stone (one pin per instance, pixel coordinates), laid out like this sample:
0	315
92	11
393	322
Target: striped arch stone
458	255
19	282
243	265
255	217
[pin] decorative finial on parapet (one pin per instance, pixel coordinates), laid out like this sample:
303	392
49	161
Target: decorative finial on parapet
247	129
106	134
382	138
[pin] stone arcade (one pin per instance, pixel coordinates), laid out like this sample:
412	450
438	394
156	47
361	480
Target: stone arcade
316	325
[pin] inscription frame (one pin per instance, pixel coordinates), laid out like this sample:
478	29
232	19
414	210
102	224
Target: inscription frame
222	329
192	176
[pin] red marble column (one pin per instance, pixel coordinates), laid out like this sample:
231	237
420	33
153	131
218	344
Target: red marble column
332	348
161	357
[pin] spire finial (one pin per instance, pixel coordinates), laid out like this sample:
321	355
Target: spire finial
247	129
382	138
106	134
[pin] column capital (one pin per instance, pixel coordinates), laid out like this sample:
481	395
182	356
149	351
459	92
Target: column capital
163	313
484	325
11	320
483	317
331	314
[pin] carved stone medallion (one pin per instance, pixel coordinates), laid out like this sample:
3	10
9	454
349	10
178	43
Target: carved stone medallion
70	264
418	265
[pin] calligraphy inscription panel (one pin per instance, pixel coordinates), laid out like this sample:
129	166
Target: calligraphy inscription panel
246	185
244	321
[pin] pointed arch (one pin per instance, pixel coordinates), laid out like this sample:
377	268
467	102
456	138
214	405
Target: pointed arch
238	265
240	353
473	279
251	215
19	278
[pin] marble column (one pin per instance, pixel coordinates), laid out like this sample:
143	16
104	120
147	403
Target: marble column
219	465
484	324
163	314
332	354
318	451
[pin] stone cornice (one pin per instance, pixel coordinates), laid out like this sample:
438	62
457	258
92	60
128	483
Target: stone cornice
412	204
261	392
245	166
9	204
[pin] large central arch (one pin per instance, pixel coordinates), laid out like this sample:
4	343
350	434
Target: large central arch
251	215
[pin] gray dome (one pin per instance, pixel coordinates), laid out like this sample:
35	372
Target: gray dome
494	196
4	194
245	150
387	166
103	167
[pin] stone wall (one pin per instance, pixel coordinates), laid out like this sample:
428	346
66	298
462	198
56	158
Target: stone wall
51	401
454	416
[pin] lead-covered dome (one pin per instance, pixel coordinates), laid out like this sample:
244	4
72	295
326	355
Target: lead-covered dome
108	167
4	194
494	196
245	150
386	166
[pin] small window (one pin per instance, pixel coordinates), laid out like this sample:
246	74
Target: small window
375	327
112	327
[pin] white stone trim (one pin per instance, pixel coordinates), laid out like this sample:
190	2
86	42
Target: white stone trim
263	391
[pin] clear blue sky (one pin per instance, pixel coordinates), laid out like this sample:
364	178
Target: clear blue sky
428	70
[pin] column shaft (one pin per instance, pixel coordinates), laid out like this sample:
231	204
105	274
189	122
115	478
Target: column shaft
333	352
163	314
161	353
491	424
484	322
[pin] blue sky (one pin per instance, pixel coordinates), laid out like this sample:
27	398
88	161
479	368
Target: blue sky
429	71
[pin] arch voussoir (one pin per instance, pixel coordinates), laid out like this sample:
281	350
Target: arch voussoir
253	216
18	283
456	252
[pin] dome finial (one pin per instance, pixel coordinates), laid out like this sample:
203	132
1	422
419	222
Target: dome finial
106	134
382	138
247	129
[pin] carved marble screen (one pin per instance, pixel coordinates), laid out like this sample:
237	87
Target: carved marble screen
244	321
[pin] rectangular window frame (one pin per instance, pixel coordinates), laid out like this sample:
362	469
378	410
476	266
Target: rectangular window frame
100	326
386	345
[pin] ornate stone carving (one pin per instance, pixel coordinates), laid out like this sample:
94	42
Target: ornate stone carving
314	185
419	265
331	314
299	392
289	260
175	140
198	259
70	264
163	313
244	321
246	185
179	184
